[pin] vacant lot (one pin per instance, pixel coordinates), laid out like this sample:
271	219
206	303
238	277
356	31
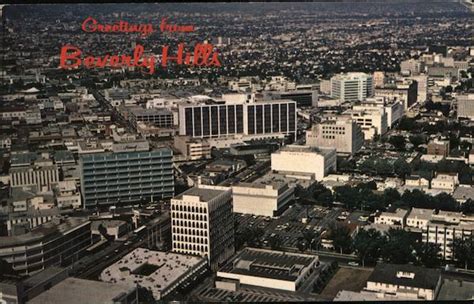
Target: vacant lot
352	279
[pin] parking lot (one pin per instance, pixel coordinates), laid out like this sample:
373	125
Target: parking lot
290	225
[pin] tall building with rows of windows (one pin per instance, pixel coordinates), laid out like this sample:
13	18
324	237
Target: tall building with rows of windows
202	223
352	86
254	119
130	173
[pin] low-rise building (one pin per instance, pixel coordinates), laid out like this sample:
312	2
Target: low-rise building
267	268
192	148
414	282
443	181
438	147
159	272
419	218
397	218
295	159
272	198
78	291
417	181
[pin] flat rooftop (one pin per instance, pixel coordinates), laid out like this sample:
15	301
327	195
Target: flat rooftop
78	291
204	194
277	265
419	213
452	290
154	270
305	149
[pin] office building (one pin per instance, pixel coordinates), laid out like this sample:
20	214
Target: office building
159	272
159	117
193	148
405	91
303	98
352	86
343	135
412	67
130	173
465	106
379	79
444	228
58	242
268	269
42	176
257	119
272	198
312	162
202	223
371	118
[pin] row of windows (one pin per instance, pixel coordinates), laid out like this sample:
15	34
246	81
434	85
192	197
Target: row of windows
187	223
175	207
192	230
193	247
190	239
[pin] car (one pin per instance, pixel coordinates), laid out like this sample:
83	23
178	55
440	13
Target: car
353	264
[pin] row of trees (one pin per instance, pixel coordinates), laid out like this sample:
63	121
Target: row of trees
398	246
363	197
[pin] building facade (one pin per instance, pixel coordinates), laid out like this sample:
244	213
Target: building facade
343	135
271	198
251	119
294	159
202	223
352	86
130	176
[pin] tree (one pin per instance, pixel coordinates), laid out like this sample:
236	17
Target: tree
416	140
401	167
367	245
463	250
341	238
391	195
398	142
428	255
399	247
468	206
275	242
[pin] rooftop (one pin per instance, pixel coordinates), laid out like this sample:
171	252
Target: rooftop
78	291
421	213
277	265
153	270
204	194
452	290
426	278
305	149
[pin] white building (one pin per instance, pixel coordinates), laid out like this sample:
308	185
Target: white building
295	159
67	194
267	268
371	118
397	218
443	181
419	218
39	175
352	86
193	148
202	223
272	198
465	106
414	282
159	272
417	182
343	135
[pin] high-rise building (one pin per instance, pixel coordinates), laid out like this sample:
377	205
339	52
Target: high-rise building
371	118
352	86
202	223
343	135
131	172
262	118
466	106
